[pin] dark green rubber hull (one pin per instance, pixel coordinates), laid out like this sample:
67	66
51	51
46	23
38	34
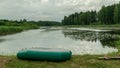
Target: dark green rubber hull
46	54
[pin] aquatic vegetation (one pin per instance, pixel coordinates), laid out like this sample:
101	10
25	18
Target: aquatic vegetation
107	38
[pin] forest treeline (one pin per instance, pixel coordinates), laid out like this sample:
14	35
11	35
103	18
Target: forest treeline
107	15
24	22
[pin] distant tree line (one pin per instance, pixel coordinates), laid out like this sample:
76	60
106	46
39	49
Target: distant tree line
24	22
48	23
106	16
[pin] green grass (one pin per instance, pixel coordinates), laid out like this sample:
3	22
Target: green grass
4	30
118	45
77	61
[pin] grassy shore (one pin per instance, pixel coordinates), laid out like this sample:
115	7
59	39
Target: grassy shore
77	61
5	30
117	26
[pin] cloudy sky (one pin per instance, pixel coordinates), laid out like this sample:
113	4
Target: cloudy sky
47	9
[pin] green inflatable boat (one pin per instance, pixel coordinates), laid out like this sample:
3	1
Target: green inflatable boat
45	54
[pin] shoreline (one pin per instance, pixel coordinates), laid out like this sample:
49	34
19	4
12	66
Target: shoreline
7	30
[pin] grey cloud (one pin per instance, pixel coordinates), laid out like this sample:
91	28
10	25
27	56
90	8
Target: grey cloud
47	9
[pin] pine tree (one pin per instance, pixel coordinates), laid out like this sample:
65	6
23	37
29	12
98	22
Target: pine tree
117	13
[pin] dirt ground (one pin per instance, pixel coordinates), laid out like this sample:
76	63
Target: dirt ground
3	61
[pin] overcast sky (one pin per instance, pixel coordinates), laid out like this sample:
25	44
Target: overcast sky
47	9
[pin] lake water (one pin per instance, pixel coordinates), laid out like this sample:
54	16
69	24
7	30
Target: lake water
79	40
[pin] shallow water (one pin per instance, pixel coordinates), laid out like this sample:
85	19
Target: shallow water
79	41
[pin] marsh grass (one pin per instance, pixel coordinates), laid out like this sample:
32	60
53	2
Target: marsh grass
4	30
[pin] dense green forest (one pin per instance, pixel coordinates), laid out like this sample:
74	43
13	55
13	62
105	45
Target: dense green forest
106	16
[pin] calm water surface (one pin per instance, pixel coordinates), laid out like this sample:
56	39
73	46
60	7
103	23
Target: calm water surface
79	40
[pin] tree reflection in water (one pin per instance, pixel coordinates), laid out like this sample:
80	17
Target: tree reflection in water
107	38
1	40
